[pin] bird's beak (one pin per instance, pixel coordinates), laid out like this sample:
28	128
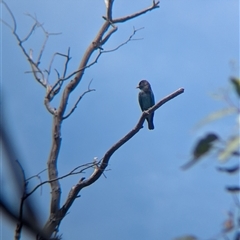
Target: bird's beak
137	87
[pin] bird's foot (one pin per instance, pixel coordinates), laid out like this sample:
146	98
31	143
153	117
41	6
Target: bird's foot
145	112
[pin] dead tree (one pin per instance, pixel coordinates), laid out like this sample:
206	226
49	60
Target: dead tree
59	114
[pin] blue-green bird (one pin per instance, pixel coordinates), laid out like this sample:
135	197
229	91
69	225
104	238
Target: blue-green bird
146	100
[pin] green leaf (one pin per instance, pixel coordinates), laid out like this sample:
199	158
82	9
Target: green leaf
215	116
231	147
203	146
236	85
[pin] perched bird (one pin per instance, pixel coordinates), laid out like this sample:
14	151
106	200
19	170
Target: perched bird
146	100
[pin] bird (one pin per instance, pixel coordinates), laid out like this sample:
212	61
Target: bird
146	100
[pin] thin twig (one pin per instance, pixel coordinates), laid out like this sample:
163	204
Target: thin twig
13	18
128	40
53	92
72	172
53	57
30	33
46	33
38	177
34	65
66	63
79	99
127	18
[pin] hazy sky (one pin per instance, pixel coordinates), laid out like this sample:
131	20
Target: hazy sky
189	44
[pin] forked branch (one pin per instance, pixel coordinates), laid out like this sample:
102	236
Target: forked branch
128	40
79	99
77	170
37	72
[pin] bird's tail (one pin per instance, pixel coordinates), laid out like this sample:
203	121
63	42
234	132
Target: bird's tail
150	123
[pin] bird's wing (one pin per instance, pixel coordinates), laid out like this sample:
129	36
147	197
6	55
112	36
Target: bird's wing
140	100
152	99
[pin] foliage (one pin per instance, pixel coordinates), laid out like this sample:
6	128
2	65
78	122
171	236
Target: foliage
223	149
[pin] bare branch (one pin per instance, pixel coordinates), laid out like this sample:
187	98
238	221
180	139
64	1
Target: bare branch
79	99
47	34
41	25
124	19
127	137
34	65
71	173
25	195
128	40
51	62
52	90
61	80
98	171
14	28
109	9
93	62
66	63
38	177
8	25
105	39
96	44
30	33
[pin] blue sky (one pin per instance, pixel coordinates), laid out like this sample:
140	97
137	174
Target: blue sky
187	44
